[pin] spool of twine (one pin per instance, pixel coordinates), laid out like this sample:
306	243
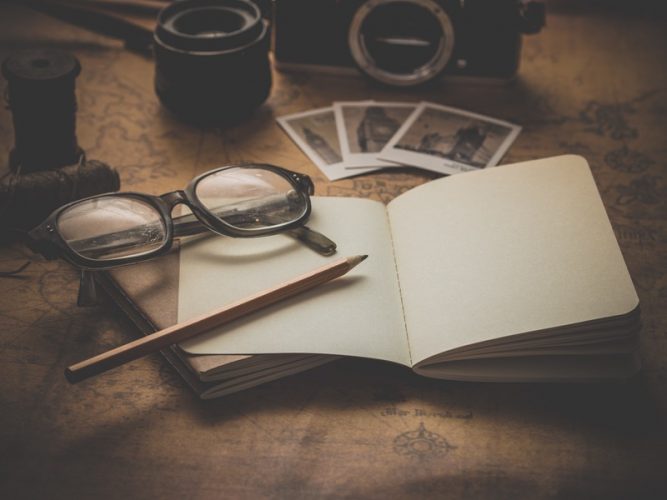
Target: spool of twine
40	93
26	200
47	167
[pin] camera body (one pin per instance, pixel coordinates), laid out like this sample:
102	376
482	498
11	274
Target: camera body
405	42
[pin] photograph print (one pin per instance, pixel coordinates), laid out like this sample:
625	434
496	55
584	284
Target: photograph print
448	140
315	133
365	127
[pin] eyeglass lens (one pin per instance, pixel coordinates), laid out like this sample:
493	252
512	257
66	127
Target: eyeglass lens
251	198
112	227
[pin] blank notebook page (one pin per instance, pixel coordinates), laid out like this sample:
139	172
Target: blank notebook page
509	250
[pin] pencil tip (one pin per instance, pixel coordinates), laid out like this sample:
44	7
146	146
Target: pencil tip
355	260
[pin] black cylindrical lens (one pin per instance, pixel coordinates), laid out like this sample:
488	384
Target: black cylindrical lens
211	59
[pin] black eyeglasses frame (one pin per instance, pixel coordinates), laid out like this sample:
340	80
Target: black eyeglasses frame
46	239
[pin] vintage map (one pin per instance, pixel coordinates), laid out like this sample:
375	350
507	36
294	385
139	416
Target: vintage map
594	83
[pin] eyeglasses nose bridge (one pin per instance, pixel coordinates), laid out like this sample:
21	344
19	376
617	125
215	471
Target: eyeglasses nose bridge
180	197
174	198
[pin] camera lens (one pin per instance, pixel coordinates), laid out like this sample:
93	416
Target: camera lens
212	59
401	42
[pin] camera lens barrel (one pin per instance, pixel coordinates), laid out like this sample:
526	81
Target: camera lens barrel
212	59
401	42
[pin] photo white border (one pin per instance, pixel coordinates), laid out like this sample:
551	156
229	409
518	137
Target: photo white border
361	160
436	163
332	171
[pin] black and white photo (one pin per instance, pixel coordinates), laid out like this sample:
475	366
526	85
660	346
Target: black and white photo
365	127
449	140
315	133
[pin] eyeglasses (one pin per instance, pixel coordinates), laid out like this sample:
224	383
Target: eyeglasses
109	230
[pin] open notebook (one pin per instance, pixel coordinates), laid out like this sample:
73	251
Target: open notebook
506	274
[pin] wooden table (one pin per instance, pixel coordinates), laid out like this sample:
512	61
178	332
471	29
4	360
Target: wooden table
594	83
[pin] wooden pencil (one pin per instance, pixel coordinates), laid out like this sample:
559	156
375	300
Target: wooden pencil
182	331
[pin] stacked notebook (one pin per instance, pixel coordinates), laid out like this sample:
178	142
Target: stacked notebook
506	274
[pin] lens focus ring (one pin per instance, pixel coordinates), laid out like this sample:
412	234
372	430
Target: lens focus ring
401	42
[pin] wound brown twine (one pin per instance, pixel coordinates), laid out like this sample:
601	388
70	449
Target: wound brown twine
47	167
26	200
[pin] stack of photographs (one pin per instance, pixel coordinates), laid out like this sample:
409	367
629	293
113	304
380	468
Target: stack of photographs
353	138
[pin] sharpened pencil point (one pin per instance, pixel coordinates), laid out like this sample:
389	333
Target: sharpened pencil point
355	260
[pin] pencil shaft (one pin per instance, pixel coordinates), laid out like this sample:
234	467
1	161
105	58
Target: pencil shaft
183	331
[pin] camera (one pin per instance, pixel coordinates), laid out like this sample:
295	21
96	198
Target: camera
405	42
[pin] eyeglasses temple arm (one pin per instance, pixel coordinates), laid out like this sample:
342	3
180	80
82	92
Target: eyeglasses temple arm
313	240
188	225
